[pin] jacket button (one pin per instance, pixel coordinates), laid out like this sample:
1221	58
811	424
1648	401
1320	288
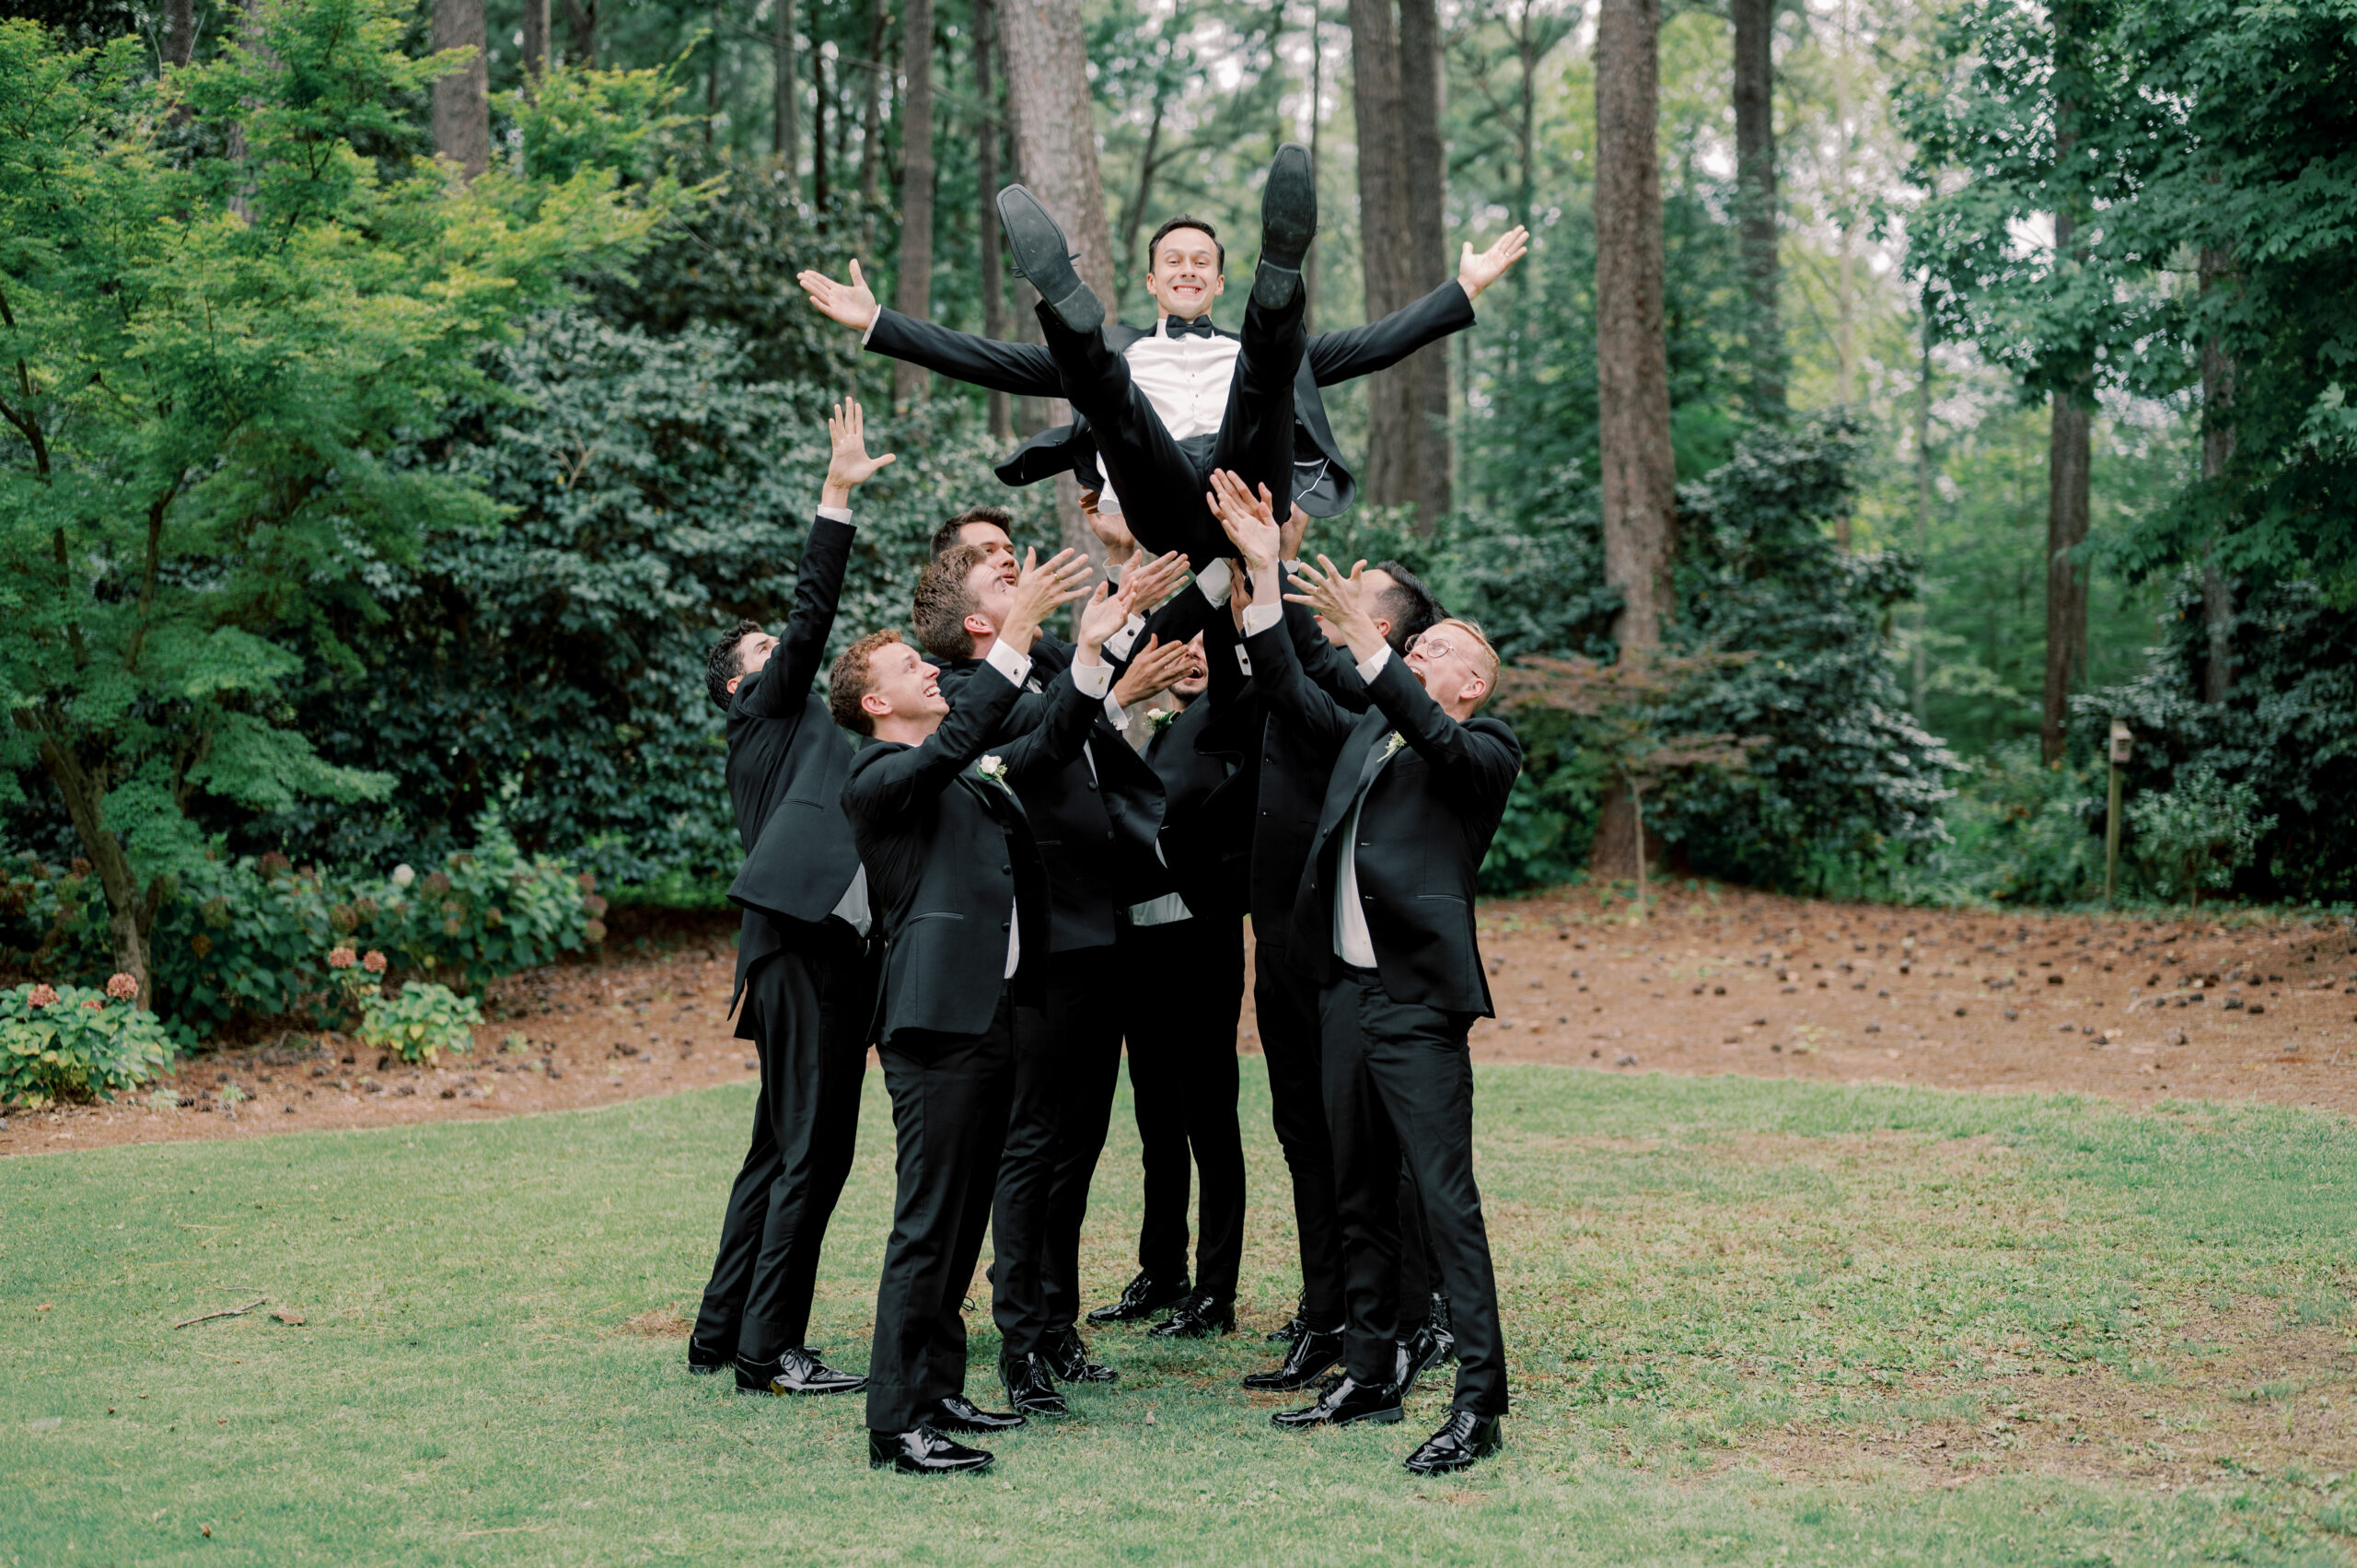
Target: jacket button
1005	870
1003	925
1109	835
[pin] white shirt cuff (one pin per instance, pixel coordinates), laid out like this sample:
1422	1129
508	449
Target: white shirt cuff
1119	645
1258	617
839	514
1372	663
1094	680
1215	582
871	326
1015	667
1116	714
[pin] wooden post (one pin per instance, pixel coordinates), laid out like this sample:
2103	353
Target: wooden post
2121	744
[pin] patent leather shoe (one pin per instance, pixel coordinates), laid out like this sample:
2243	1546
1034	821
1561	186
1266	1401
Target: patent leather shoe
920	1450
1462	1438
1295	1325
1068	1362
1142	1297
1317	1350
1044	257
1029	1389
1417	1354
1199	1316
1288	223
799	1371
1345	1404
703	1359
958	1413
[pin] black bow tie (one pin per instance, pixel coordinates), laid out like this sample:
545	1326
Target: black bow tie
1199	327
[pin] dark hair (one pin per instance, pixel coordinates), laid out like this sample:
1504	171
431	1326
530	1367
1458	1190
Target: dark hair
853	677
1185	221
726	662
998	517
943	602
1408	605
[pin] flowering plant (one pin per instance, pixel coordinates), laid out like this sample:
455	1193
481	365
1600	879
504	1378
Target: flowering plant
58	1040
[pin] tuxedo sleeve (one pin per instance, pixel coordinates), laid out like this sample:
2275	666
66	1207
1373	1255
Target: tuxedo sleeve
1066	711
1023	370
1327	667
1379	345
785	680
1475	764
1300	706
897	783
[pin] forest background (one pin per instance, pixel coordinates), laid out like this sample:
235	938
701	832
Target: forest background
1995	352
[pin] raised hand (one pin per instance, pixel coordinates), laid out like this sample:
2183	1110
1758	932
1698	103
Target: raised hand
1478	270
1111	530
1149	583
1341	598
1040	589
852	304
1289	537
1251	521
848	463
1156	669
1106	613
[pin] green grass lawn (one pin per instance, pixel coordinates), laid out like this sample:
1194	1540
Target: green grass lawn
1748	1322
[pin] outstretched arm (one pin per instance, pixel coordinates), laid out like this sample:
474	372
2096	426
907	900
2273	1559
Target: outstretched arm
780	689
898	783
1251	527
1025	370
1362	350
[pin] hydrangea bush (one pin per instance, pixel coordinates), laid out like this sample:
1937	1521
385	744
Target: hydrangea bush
69	1041
420	1023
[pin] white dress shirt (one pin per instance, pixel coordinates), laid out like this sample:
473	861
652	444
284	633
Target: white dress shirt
1094	681
1185	377
1353	943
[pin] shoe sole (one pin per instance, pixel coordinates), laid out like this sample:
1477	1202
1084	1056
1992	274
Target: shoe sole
1044	258
1288	209
899	1468
1381	1418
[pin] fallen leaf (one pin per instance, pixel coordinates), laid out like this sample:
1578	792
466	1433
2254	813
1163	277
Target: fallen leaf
292	1320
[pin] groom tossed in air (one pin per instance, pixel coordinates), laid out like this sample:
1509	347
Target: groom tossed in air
1158	409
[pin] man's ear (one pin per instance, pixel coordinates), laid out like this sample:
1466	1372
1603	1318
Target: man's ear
876	705
735	681
978	625
1382	627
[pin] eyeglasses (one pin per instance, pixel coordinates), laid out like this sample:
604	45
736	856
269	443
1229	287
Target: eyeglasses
1433	647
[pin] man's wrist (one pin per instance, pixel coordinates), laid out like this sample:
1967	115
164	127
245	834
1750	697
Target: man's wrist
835	495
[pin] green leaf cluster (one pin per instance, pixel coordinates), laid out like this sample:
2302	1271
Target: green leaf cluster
75	1042
420	1022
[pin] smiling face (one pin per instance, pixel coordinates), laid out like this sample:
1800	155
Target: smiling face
1183	275
902	687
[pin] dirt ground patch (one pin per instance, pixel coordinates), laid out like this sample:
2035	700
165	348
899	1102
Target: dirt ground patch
1717	980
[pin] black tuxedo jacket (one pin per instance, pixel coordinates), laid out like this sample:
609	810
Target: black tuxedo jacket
1321	484
949	853
1096	826
1429	810
1294	764
786	766
1202	757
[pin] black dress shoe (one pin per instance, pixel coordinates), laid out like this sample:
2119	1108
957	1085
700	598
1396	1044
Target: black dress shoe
1317	1350
1345	1404
958	1413
1443	1323
923	1451
1462	1438
1199	1316
1044	258
703	1359
1068	1361
1288	223
1295	1325
1029	1389
1142	1297
1417	1354
799	1371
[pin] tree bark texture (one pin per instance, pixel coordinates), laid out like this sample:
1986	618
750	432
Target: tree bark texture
129	915
1046	51
2217	451
581	21
1421	84
986	133
462	99
914	291
785	124
536	43
1386	220
180	32
871	114
1755	141
1639	489
2066	584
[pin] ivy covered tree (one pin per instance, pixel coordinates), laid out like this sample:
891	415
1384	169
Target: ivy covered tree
210	361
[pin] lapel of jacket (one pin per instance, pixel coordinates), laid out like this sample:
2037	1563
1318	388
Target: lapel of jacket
1383	744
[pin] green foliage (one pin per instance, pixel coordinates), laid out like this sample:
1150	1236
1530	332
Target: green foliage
420	1022
2017	831
218	361
57	1042
2196	835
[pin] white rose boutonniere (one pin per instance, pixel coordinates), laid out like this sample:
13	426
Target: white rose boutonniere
994	769
1159	719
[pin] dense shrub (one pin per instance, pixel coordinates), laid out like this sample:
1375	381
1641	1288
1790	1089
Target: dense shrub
60	1041
420	1022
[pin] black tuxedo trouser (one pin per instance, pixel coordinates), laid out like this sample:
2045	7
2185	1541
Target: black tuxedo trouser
1399	1081
1182	1022
1286	1002
807	1008
1067	1060
949	1108
1160	484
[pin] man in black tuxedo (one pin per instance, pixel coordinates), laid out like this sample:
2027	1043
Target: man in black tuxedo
1096	819
804	974
1159	408
951	859
1383	919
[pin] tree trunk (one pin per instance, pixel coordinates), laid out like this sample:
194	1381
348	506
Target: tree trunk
536	44
1422	79
1755	141
180	32
785	121
1385	220
1317	126
820	97
462	98
129	915
2217	451
2068	437
1632	356
581	21
915	283
986	131
871	114
1922	516
1055	146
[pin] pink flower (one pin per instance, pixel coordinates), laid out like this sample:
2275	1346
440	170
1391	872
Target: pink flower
595	930
342	959
42	997
94	1005
121	987
374	963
